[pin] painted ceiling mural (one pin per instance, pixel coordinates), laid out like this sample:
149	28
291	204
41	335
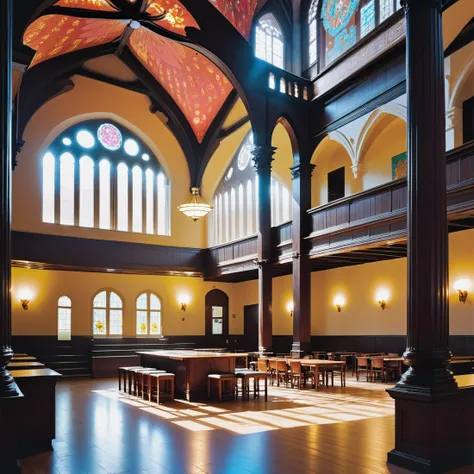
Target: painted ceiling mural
197	86
239	13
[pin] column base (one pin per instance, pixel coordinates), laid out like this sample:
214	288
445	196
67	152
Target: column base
300	349
433	433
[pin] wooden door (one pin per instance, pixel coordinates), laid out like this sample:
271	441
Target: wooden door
251	327
217	319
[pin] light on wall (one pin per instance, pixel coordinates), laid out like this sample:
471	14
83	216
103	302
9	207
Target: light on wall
184	301
382	297
462	286
25	297
339	302
290	307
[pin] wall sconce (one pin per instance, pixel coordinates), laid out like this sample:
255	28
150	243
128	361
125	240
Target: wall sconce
234	315
461	286
183	301
339	302
382	298
290	307
25	298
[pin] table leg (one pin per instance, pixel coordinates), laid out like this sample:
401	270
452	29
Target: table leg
266	388
120	380
316	377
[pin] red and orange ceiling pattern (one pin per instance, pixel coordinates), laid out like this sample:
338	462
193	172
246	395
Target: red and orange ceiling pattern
198	86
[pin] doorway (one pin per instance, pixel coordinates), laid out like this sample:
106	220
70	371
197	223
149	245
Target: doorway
217	319
251	327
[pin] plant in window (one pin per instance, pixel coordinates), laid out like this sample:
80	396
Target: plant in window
99	326
154	328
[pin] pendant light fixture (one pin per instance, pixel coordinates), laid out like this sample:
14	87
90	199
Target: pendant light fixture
195	209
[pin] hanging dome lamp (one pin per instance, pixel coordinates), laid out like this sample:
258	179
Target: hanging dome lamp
196	208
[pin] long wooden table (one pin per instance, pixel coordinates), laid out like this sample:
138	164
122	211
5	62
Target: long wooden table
25	366
315	363
191	368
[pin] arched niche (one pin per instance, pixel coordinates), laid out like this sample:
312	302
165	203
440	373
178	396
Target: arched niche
217	318
383	146
329	156
283	157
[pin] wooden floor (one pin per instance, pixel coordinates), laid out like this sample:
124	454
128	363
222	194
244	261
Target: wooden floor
335	430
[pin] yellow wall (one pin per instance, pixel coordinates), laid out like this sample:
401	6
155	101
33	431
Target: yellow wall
377	156
283	157
93	99
47	286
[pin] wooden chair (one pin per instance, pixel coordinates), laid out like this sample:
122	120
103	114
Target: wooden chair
272	367
335	371
221	381
363	365
262	365
164	383
145	381
393	369
282	372
296	374
377	367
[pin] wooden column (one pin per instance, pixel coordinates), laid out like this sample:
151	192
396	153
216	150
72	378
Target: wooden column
263	157
8	387
433	418
301	174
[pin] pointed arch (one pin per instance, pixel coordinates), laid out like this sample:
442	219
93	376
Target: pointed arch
459	83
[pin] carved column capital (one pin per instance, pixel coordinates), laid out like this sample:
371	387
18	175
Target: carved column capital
263	157
302	169
357	170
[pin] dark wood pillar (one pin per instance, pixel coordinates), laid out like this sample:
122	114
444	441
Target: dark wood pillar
8	387
301	174
432	417
263	157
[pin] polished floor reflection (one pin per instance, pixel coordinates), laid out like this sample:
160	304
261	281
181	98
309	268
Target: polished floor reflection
336	430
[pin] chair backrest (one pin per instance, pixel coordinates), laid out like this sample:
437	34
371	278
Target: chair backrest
377	362
281	365
392	354
331	356
308	357
295	367
272	364
362	362
262	365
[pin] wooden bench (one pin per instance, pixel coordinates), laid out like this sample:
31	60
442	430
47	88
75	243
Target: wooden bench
221	380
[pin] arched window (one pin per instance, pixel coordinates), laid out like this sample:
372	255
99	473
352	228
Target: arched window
107	314
343	24
312	32
64	318
148	314
106	169
236	199
269	41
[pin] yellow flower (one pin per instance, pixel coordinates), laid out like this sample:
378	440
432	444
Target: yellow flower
154	328
143	328
99	326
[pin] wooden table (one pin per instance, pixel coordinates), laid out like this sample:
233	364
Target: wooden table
212	349
191	368
23	359
316	363
36	418
25	366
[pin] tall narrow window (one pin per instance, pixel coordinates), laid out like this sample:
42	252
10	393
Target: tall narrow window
137	199
105	153
386	9
67	189
149	202
241	231
286	201
271	81
107	314
104	194
226	216
221	219
148	314
86	192
269	41
312	33
367	18
64	318
48	188
122	197
250	204
233	215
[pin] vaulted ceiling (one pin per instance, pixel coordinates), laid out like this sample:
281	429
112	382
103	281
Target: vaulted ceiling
150	37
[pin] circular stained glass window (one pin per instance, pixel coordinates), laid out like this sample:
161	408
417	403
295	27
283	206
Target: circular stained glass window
67	141
109	136
244	157
85	139
131	147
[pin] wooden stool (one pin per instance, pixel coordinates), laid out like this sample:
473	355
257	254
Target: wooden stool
221	380
132	379
159	378
241	374
257	376
122	371
145	380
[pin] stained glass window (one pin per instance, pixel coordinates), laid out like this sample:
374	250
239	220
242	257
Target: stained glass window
107	316
148	314
64	318
124	170
386	9
269	40
367	18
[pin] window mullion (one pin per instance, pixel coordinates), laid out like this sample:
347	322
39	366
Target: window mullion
144	201
77	187
130	199
57	190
